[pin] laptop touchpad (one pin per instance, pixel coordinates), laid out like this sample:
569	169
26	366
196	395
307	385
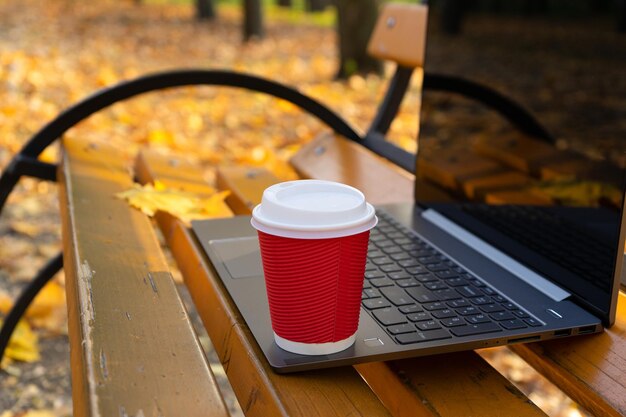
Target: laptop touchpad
241	256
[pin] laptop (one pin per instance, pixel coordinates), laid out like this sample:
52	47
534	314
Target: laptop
522	240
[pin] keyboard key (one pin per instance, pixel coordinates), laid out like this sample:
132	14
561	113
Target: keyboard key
377	237
428	325
489	291
446	294
372	293
420	252
384	243
503	315
468	291
388	316
491	308
473	329
372	304
364	296
410	309
381	282
394	250
371	254
434	306
477	283
370	266
421	294
402	241
406	263
423	336
532	322
520	313
509	306
436	267
447	274
443	314
397	296
499	299
435	285
453	322
456	282
401	328
478	318
374	274
479	300
466	311
382	260
421	316
390	268
405	283
397	256
417	270
513	324
429	259
399	275
426	278
458	303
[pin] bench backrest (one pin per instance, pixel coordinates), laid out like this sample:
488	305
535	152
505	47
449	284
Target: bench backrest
400	34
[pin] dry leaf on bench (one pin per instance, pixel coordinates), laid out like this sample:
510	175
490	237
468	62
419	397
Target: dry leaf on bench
183	205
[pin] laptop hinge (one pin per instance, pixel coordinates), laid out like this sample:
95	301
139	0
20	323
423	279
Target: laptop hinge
500	258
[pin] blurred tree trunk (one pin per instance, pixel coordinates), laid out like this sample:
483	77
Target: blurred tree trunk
355	22
253	20
317	5
205	10
284	3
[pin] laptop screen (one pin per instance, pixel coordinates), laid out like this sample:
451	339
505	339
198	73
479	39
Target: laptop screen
535	164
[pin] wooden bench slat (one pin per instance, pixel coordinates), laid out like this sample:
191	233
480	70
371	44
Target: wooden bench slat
260	391
133	349
400	385
333	158
590	369
246	186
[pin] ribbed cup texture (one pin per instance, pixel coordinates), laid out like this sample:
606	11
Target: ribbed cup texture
314	285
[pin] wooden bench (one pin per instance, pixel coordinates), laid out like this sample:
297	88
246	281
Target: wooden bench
134	351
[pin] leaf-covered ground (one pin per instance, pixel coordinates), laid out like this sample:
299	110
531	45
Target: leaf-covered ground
54	53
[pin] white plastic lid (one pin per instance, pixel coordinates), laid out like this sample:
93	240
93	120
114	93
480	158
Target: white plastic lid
313	209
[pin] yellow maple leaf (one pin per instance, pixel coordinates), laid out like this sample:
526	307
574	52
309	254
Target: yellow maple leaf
24	344
181	204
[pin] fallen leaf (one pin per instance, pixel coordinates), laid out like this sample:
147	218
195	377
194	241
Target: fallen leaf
47	311
24	344
183	205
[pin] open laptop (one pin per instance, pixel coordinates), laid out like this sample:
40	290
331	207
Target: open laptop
519	243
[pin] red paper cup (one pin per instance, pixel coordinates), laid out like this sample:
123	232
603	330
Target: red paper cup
313	237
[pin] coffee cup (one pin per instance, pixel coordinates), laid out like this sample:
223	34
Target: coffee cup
313	237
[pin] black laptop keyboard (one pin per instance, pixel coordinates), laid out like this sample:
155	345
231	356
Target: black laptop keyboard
418	295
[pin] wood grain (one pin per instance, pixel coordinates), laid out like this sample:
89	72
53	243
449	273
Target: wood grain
133	350
590	369
260	391
333	158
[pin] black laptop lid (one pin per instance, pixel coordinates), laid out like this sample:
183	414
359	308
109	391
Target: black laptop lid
550	194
